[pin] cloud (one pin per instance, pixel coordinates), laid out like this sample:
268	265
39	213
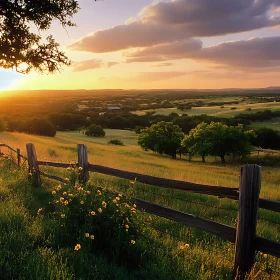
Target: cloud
163	64
179	20
163	52
79	66
111	63
253	53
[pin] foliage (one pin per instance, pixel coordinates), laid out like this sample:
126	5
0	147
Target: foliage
163	138
95	130
116	142
24	50
218	139
266	138
39	126
92	218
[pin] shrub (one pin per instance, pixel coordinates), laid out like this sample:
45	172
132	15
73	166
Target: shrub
95	130
116	142
95	219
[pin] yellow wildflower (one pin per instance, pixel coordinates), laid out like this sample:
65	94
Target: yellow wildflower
82	202
119	195
65	202
58	187
92	237
64	193
61	199
117	198
99	210
80	189
126	226
70	194
104	204
87	234
127	219
99	192
69	168
62	216
80	168
134	205
88	192
53	192
132	241
187	245
265	256
92	213
114	201
77	247
182	247
39	210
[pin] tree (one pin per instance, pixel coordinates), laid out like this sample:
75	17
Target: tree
2	125
24	50
95	130
218	139
266	138
39	126
163	138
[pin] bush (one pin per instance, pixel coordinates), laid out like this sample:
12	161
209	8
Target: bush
95	219
95	130
116	142
39	126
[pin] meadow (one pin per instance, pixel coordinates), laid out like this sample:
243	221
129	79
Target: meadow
204	256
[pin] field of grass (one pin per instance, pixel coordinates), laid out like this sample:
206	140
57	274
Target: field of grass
206	257
217	110
273	124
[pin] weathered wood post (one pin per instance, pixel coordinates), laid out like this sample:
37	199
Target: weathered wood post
33	167
83	163
18	157
249	190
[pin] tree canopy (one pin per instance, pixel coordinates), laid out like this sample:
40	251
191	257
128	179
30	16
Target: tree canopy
95	130
163	138
218	139
20	47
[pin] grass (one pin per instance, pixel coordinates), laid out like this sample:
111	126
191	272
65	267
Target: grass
273	124
29	252
217	111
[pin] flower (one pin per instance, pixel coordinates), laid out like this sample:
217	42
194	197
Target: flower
182	247
80	189
99	192
70	194
77	247
87	234
134	205
39	211
62	216
127	219
265	256
82	202
132	242
119	195
80	168
117	198
53	192
88	192
126	226
69	168
92	237
92	213
114	201
58	187
99	210
61	199
187	245
104	204
65	202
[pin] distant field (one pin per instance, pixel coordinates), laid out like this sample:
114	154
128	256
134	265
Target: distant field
217	110
273	123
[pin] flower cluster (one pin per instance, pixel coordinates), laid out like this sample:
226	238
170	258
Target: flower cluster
96	218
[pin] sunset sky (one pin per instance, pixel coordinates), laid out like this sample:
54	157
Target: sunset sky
142	44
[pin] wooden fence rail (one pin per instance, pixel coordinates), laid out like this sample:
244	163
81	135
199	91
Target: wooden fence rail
244	237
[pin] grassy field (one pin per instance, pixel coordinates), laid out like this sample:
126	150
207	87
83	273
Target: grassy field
217	110
205	257
273	123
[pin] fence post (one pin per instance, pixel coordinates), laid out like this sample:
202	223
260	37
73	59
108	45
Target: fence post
18	157
249	190
33	167
83	163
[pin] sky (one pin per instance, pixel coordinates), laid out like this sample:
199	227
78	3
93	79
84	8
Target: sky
166	44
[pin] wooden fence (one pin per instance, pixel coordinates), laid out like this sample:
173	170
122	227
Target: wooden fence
244	236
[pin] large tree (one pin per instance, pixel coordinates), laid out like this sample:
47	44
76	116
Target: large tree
20	47
163	138
218	139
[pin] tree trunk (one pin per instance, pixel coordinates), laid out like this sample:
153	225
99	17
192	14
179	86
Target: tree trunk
223	158
203	157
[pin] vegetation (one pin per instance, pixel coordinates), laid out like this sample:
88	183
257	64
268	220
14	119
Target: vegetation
24	50
163	138
218	139
95	130
116	142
